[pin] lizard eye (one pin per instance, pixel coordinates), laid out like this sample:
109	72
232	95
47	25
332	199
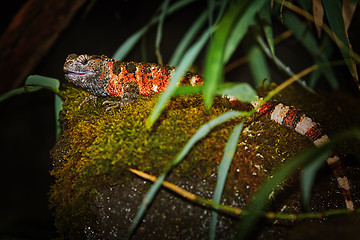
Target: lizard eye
83	59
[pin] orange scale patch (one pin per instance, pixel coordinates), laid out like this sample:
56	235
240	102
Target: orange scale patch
143	80
115	83
314	133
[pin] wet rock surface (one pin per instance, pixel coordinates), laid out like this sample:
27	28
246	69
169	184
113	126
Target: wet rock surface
169	217
96	197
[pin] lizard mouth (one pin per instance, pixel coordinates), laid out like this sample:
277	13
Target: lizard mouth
68	72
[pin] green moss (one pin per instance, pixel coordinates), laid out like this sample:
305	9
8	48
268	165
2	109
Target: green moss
101	147
98	147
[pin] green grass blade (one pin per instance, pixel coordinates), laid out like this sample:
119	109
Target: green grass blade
279	176
126	47
334	15
143	49
240	28
222	8
309	160
202	132
314	78
186	40
210	7
265	23
324	69
158	38
150	195
12	93
89	7
307	39
192	32
310	157
230	31
185	63
301	32
185	90
58	107
257	62
34	83
305	5
241	91
224	166
308	176
214	63
258	65
280	64
44	82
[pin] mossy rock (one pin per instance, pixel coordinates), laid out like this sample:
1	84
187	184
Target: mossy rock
95	195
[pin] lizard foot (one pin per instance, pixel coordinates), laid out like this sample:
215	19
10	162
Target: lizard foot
91	97
130	94
113	105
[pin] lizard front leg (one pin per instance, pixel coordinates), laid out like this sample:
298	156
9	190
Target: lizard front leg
130	94
91	98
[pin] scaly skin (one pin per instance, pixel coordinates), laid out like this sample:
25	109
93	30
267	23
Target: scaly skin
295	119
103	76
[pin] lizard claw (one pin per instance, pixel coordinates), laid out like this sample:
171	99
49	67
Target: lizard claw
113	105
91	97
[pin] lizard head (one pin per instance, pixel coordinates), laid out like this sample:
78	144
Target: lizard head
90	72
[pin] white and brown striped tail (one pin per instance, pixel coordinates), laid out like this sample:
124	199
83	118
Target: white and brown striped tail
294	119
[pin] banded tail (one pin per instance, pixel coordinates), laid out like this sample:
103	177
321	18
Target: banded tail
294	119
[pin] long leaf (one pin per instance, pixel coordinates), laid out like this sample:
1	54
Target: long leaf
158	38
224	166
192	32
280	64
230	31
308	176
186	40
34	83
202	132
241	26
265	20
185	63
58	106
241	91
309	160
128	45
214	64
150	195
184	90
309	42
257	62
44	82
14	92
327	52
262	196
336	22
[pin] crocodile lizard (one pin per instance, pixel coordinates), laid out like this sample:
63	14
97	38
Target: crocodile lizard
102	76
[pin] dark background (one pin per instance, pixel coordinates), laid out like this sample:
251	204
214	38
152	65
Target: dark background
27	125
